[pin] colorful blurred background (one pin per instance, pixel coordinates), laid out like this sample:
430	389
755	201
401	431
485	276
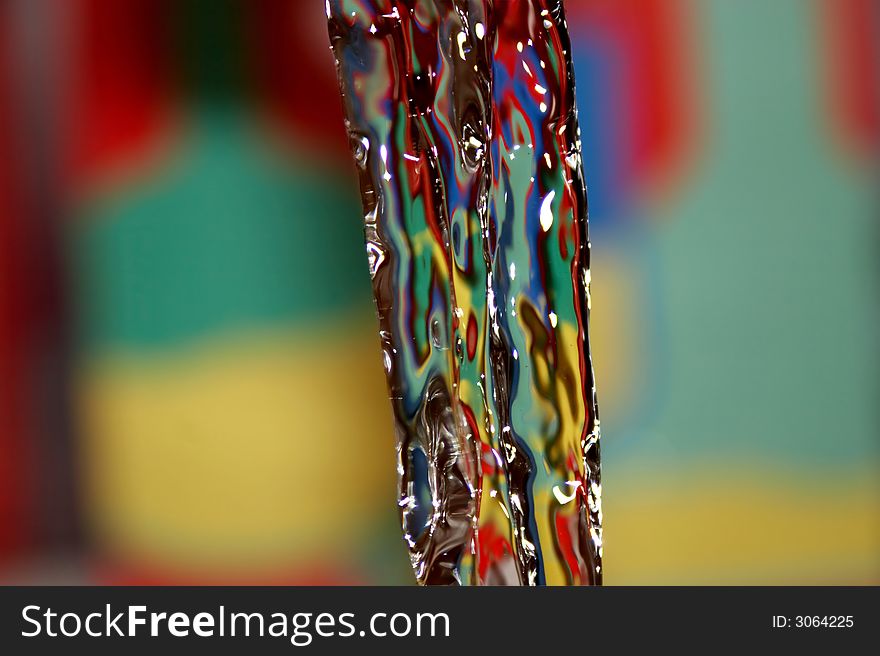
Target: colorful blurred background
191	387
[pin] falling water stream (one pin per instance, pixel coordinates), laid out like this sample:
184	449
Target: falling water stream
463	126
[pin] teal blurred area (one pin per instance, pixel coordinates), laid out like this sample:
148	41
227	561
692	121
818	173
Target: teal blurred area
190	380
731	153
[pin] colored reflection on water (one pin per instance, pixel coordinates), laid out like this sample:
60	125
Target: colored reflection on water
463	124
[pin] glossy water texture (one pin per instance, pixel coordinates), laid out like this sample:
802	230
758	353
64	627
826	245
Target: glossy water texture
463	126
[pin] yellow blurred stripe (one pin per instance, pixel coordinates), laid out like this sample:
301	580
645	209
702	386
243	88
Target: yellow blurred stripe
731	526
241	452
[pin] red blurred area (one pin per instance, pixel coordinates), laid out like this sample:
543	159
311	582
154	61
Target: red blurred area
851	55
277	38
662	107
121	88
13	324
